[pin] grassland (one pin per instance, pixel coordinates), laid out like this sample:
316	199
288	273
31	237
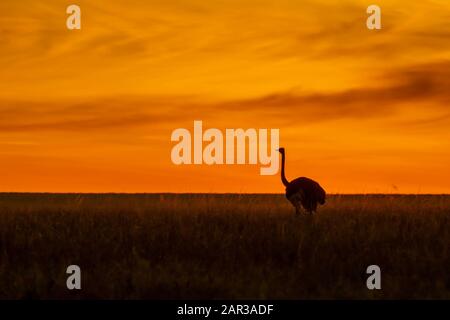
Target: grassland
223	246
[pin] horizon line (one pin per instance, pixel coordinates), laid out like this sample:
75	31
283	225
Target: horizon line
212	193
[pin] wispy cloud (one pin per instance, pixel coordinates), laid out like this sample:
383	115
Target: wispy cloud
139	69
429	84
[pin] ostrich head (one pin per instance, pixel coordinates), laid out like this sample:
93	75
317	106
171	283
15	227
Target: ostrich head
281	150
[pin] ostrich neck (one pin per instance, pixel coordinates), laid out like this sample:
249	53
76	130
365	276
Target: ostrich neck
283	176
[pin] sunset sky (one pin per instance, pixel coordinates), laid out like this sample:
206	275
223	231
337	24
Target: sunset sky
92	110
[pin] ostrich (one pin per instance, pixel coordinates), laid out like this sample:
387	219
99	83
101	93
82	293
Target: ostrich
302	191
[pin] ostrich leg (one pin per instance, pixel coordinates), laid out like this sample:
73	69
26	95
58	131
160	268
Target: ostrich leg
296	200
298	209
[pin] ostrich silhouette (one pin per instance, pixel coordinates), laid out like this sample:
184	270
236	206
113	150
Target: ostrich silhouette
302	192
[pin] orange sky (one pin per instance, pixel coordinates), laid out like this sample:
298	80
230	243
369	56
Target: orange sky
92	110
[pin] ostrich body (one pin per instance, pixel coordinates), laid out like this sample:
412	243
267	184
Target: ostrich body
302	192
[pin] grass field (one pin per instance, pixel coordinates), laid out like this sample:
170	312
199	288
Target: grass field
223	246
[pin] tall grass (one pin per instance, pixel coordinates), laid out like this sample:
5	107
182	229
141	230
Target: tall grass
223	246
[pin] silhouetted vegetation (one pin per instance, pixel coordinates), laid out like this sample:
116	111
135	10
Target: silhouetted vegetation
223	246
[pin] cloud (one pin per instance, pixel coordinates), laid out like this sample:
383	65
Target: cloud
429	84
113	113
423	83
100	104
